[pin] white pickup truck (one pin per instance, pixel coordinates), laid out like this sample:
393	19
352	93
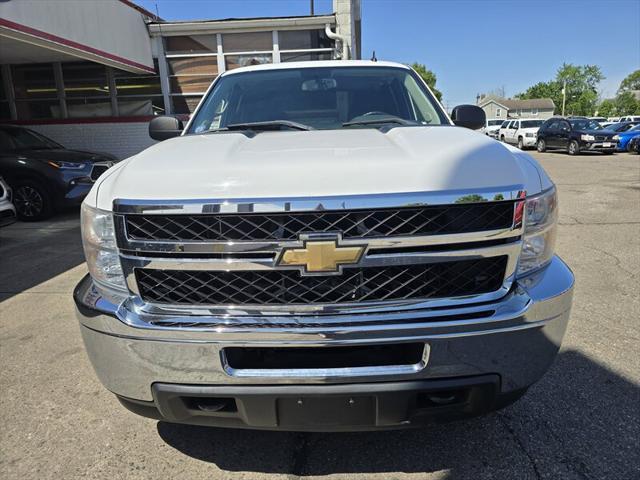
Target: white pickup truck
321	247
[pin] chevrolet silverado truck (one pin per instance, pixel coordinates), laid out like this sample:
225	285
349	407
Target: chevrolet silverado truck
321	247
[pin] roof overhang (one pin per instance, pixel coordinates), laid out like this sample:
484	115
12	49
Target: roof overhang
111	33
240	25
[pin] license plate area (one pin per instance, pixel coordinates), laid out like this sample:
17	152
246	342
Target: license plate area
606	144
326	411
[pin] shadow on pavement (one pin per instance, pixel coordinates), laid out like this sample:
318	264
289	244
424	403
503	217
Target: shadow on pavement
33	252
580	421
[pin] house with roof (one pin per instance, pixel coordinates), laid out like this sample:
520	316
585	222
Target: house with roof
497	107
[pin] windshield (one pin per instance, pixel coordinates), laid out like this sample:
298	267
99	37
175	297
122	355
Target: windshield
21	138
582	124
531	123
321	98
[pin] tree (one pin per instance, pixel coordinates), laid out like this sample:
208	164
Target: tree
429	77
631	82
626	104
581	88
607	108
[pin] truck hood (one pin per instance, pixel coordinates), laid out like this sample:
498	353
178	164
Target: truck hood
316	163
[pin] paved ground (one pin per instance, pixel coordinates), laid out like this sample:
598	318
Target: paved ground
582	421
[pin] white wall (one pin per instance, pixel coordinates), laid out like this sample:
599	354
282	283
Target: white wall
109	26
121	139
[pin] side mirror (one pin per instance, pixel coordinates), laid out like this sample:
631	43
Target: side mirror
469	116
162	128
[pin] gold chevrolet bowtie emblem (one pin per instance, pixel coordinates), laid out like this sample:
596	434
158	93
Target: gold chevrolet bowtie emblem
321	256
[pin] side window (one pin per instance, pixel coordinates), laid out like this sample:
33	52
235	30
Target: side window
565	127
553	126
516	125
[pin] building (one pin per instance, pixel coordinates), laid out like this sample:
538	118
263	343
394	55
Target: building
91	75
496	107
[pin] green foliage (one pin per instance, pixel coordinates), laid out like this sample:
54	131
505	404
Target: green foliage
581	84
631	82
429	77
626	104
607	108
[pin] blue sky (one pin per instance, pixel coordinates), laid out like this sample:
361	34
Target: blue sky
472	45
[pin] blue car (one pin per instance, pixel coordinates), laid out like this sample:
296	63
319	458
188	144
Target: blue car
625	137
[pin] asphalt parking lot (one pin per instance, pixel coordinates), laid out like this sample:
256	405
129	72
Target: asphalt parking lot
581	421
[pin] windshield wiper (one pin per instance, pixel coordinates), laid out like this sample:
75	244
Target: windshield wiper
381	120
269	125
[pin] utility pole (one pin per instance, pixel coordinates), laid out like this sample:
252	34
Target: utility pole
311	7
564	94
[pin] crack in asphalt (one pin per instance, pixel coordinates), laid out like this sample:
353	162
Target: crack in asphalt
617	261
520	445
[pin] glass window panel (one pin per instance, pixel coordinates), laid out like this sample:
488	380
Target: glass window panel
305	56
34	81
185	105
193	66
85	79
139	106
3	94
5	113
142	85
89	107
247	42
192	44
303	39
236	61
40	109
193	84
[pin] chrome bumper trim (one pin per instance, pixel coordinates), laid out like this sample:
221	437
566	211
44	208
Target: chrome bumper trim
518	341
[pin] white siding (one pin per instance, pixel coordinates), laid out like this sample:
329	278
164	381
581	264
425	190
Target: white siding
121	139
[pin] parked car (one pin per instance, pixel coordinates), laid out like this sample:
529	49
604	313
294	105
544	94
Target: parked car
625	137
575	135
43	174
600	120
521	132
491	127
272	270
630	118
634	145
621	126
7	210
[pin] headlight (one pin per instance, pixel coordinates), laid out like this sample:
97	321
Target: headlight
541	217
67	165
587	138
529	134
615	137
99	242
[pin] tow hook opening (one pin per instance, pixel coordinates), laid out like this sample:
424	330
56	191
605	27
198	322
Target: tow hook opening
441	398
210	404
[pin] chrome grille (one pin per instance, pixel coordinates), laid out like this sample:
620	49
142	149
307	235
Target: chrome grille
359	223
355	285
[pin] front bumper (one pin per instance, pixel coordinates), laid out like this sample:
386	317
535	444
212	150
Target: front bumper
597	146
512	346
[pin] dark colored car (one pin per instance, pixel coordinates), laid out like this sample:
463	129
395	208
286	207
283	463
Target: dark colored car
575	135
634	145
43	174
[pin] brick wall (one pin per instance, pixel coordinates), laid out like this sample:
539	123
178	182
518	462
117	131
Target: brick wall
121	139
